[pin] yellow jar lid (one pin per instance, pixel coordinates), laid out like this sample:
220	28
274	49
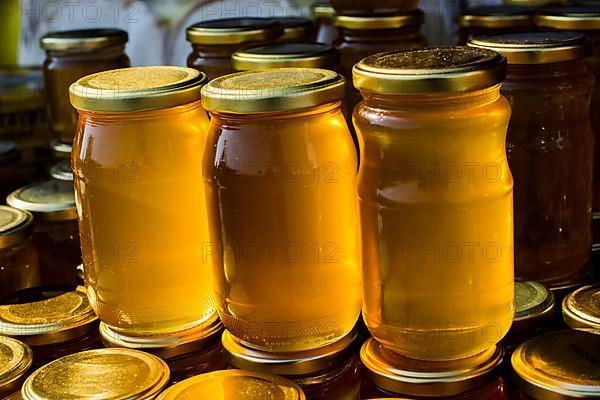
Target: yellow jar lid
15	359
496	17
295	28
323	10
537	47
430	70
234	31
50	321
377	22
49	200
402	375
137	89
533	302
576	18
105	374
234	385
83	39
286	55
15	226
62	170
287	363
272	90
559	365
581	309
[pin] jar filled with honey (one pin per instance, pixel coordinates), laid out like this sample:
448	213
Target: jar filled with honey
373	6
436	201
137	163
581	309
56	235
281	175
15	361
324	15
550	148
328	373
71	55
295	29
286	55
214	41
494	20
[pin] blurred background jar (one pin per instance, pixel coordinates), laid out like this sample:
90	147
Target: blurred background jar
324	14
373	6
296	29
286	55
11	175
494	20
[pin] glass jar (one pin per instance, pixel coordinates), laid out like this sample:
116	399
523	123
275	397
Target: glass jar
436	201
15	361
550	151
117	374
19	268
285	55
71	55
535	3
139	148
494	20
290	275
213	42
581	309
295	29
62	171
11	176
558	365
329	373
324	15
234	385
472	378
56	236
373	6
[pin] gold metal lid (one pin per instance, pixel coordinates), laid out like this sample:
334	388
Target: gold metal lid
559	365
83	39
411	377
286	55
234	385
49	200
107	374
500	16
272	90
234	31
50	321
15	226
287	363
537	47
169	346
381	21
533	301
15	359
576	18
581	309
323	10
295	28
62	171
137	89
430	70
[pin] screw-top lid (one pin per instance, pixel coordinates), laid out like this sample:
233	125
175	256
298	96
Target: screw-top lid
496	17
234	31
62	171
575	18
379	21
533	302
581	309
61	149
48	200
286	55
323	10
295	28
15	226
83	39
15	359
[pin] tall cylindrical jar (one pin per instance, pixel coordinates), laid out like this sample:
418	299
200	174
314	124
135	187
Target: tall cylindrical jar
137	164
436	201
282	180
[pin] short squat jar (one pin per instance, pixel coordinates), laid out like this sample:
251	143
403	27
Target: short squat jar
436	201
281	176
139	147
550	148
71	55
495	20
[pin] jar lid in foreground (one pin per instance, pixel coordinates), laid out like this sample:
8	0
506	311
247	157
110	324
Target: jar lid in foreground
50	321
105	374
287	363
533	301
272	90
15	359
15	226
411	377
137	89
83	39
559	365
62	171
295	28
581	309
498	17
380	21
49	200
234	31
576	18
234	385
430	70
537	47
286	55
323	10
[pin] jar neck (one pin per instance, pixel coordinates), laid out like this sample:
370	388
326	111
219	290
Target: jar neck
102	117
105	52
280	116
410	32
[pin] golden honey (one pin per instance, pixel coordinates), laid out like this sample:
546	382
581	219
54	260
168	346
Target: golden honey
281	173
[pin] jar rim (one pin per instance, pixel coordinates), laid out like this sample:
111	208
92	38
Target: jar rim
16	226
83	39
323	9
282	55
379	21
581	308
233	31
48	200
496	17
578	18
533	302
62	170
16	358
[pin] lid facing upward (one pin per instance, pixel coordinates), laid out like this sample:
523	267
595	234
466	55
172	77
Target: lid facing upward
15	226
559	365
62	170
105	374
49	200
15	359
234	31
537	47
532	302
581	309
286	55
576	18
498	17
430	70
83	39
234	385
272	90
382	21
